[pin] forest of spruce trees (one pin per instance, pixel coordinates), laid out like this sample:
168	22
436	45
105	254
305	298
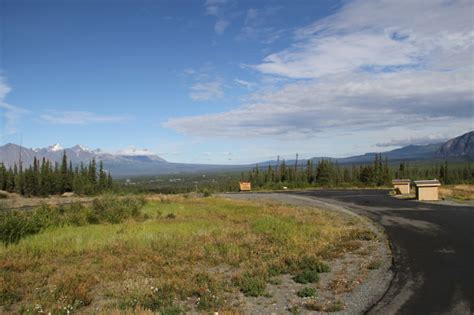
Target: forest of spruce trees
48	178
327	173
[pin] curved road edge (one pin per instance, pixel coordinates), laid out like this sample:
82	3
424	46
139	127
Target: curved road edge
364	298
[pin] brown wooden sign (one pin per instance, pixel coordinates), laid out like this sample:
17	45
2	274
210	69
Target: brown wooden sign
245	186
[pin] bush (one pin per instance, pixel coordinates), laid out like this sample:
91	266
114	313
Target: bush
206	193
113	210
306	292
307	263
251	285
14	225
307	276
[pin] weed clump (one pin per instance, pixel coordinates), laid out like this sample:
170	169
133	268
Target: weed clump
306	292
250	284
333	306
159	299
206	292
307	276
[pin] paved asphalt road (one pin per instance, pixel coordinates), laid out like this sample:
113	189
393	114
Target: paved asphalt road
433	246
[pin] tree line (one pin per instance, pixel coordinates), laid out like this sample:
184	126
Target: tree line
44	178
329	173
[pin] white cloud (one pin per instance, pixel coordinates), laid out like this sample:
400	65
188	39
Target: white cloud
371	66
429	139
244	83
255	27
205	91
9	114
378	34
216	8
220	26
80	118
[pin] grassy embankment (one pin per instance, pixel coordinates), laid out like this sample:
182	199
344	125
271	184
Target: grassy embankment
168	255
457	192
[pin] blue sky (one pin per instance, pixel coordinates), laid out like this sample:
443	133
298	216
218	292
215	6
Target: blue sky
227	81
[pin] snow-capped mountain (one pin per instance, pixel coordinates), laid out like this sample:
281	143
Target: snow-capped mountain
11	154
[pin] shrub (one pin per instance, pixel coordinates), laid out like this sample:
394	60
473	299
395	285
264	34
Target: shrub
114	210
306	292
307	263
14	225
46	216
206	193
334	306
251	285
307	276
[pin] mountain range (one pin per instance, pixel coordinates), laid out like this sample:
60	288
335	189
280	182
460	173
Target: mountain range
140	162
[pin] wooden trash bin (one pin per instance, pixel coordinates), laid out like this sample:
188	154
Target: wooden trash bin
427	189
401	186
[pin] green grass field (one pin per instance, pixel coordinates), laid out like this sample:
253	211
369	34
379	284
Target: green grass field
180	254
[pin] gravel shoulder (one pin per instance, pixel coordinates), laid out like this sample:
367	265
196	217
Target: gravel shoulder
357	281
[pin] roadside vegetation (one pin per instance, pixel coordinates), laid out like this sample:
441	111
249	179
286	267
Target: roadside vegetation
457	192
171	255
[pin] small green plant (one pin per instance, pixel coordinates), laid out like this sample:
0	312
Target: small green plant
251	285
306	292
335	306
206	292
307	276
312	263
206	193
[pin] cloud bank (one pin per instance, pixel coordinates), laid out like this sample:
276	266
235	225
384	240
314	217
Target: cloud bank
370	66
80	118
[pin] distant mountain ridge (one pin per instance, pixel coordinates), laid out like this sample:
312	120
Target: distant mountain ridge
459	146
11	154
142	162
